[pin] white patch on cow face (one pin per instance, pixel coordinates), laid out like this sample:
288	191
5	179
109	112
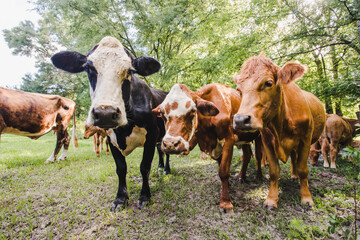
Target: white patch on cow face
178	104
112	65
136	139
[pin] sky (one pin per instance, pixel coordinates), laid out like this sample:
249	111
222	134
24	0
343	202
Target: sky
12	67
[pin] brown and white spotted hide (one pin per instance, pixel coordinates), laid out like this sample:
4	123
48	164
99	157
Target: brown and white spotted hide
203	117
33	115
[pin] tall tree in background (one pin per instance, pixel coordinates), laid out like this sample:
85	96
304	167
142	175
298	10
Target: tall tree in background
200	41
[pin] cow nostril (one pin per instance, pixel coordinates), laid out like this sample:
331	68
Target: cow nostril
117	110
115	116
247	119
177	144
96	115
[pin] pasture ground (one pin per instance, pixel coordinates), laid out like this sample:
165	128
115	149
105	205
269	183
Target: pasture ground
72	199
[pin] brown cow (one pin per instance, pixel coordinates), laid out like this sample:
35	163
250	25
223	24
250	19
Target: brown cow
99	135
338	130
289	119
205	117
33	115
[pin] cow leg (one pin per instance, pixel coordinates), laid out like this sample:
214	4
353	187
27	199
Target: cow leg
101	139
96	144
167	164
161	156
63	155
107	146
324	151
333	153
246	159
259	157
121	170
161	165
274	169
302	172
145	167
59	143
224	174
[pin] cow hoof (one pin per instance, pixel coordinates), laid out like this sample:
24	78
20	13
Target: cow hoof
49	161
226	207
119	204
269	208
270	204
326	165
166	172
141	204
307	201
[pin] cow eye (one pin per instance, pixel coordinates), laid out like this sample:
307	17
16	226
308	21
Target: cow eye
239	91
269	83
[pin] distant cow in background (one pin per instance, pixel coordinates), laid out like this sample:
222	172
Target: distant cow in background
338	130
33	115
99	135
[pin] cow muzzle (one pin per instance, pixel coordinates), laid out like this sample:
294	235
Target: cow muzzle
245	123
106	117
171	145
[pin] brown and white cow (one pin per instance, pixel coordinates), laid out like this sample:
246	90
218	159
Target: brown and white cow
205	117
33	115
289	119
99	135
338	130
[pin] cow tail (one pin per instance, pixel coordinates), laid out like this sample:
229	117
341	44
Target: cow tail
74	135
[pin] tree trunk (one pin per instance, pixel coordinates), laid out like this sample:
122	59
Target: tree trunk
335	73
320	67
338	108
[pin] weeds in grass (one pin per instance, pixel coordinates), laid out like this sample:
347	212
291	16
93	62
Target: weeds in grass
71	199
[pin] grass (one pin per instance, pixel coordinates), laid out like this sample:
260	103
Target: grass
72	199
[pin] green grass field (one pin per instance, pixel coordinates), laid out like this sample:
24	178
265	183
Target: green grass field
72	199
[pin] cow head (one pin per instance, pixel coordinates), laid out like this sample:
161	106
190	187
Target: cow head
260	83
109	67
90	130
180	110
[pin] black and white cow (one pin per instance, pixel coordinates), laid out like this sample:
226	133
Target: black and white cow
122	104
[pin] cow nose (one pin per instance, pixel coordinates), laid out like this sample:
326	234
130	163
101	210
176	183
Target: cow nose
242	122
173	146
106	117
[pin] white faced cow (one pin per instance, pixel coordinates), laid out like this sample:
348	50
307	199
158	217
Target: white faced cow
121	103
33	115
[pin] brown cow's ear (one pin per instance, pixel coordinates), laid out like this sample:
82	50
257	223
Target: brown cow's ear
291	72
206	108
156	111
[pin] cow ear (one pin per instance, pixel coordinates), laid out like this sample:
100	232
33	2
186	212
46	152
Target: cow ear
69	61
156	111
206	108
145	66
291	72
